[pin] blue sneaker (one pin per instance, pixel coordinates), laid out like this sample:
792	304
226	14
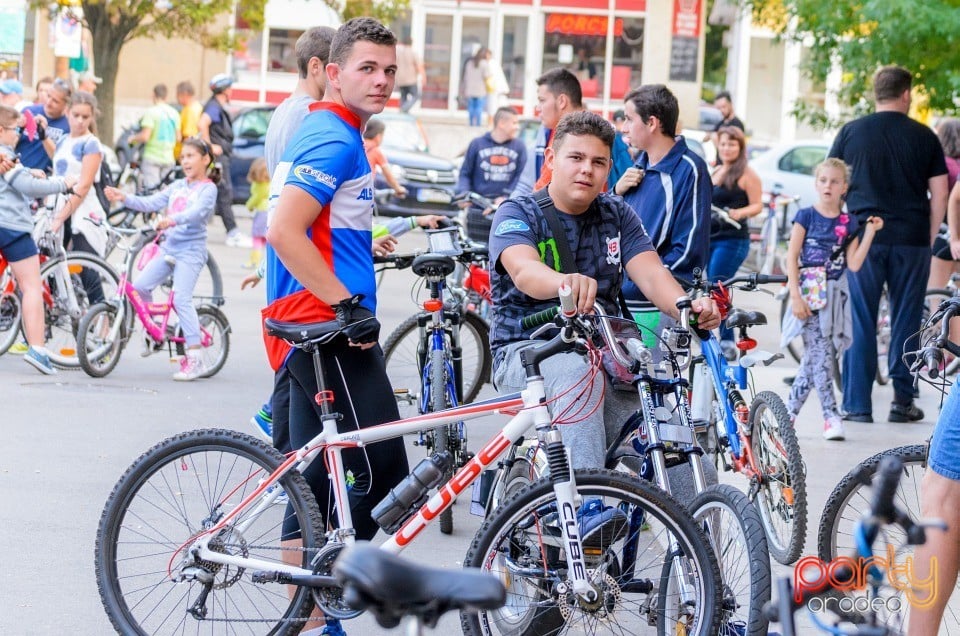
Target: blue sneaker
39	361
600	525
262	420
333	628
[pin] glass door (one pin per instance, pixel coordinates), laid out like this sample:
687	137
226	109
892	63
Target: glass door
436	60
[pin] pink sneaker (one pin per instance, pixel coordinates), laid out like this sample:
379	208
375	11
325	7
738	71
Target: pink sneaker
191	368
833	429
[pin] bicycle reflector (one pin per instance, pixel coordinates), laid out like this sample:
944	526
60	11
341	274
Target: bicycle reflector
433	304
721	297
746	343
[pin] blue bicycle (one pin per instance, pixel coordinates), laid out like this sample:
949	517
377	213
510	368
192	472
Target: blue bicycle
427	352
754	437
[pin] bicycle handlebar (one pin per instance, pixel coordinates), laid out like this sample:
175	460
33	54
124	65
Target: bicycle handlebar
932	355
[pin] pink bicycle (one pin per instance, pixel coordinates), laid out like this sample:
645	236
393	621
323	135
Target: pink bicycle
106	327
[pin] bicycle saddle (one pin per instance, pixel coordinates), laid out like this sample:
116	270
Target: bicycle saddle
301	332
433	265
391	587
740	318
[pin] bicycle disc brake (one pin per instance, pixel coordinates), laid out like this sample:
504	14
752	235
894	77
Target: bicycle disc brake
330	599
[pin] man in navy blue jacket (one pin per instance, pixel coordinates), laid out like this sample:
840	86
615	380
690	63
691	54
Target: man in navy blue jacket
668	186
491	168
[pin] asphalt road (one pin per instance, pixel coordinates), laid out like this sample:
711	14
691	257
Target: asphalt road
68	438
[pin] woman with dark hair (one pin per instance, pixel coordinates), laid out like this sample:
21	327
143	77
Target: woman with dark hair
736	189
476	73
189	203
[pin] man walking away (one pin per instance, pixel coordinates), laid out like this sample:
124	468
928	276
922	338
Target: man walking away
491	168
159	134
216	128
895	162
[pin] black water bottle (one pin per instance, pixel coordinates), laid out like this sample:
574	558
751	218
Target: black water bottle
411	493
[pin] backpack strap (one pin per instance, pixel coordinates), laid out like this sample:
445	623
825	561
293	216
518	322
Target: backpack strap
568	264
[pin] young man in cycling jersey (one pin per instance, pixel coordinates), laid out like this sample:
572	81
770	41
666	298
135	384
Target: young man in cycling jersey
607	241
320	267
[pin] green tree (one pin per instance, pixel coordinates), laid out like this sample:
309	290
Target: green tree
862	35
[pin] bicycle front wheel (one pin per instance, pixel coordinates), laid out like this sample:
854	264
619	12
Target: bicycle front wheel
442	436
171	494
852	498
87	280
782	499
405	356
735	531
97	351
523	545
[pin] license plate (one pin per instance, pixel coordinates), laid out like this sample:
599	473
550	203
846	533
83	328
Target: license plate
434	196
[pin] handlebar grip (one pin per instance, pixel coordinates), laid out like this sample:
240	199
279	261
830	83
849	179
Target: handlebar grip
763	279
540	318
932	357
885	487
567	306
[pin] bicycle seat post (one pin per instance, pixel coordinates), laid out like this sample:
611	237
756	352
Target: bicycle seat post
324	397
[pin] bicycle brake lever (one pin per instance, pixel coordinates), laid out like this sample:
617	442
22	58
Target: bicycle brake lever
542	329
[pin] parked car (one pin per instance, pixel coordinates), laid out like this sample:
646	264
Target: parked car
788	167
429	180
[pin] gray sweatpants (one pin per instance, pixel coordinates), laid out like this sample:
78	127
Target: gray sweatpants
588	438
816	370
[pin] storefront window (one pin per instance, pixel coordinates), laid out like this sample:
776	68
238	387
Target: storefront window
627	57
578	43
476	35
436	60
513	53
281	53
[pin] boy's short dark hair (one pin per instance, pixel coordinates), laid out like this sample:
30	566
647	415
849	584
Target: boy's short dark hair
373	128
583	123
560	81
314	43
9	115
724	95
890	82
358	30
502	113
656	100
160	91
185	88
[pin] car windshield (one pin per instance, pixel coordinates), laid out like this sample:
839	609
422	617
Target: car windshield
403	134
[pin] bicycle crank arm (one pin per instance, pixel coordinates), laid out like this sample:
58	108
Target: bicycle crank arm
304	580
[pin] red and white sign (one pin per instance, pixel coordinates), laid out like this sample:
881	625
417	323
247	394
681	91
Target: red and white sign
686	18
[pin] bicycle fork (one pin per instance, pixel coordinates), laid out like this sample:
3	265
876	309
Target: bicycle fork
656	417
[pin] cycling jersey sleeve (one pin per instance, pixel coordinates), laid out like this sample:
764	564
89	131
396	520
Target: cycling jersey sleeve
314	167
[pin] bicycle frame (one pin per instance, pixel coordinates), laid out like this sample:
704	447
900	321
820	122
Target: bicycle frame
530	412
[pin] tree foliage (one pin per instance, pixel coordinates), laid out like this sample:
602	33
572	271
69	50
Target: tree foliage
862	35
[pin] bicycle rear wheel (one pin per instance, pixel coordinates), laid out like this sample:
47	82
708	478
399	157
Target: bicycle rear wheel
782	497
521	543
9	319
736	534
171	494
61	324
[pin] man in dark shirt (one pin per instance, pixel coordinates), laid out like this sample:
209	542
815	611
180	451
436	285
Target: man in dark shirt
52	124
491	167
894	161
216	128
724	103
